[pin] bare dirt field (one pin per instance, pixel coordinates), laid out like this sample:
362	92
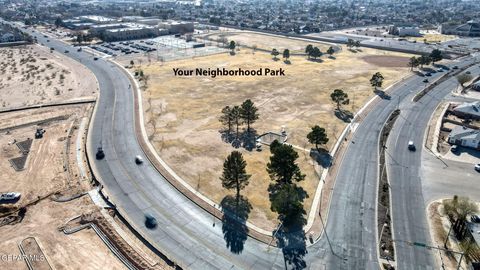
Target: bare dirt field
182	113
386	60
43	175
33	75
268	42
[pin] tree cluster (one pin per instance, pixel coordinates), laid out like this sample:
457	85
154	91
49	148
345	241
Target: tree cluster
235	116
377	80
352	43
425	60
313	52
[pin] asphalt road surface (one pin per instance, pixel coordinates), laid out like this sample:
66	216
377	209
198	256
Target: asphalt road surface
404	170
190	236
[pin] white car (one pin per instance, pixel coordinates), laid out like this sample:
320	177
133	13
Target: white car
9	196
138	160
477	167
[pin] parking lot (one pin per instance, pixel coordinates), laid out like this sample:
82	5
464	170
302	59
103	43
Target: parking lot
163	48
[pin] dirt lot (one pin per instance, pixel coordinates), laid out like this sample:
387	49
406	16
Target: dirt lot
268	42
182	113
43	175
32	75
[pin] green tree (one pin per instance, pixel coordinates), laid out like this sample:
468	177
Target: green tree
248	112
234	174
286	54
339	97
350	43
132	63
424	60
287	201
308	49
275	53
58	22
413	62
357	44
330	51
463	78
436	55
237	117
282	167
377	80
315	53
317	136
232	46
227	118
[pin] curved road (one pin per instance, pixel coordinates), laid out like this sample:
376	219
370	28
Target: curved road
191	237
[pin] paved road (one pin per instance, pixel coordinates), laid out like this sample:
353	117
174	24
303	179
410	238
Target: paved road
186	233
408	213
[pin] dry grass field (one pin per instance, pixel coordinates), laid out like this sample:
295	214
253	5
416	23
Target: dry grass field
182	113
268	42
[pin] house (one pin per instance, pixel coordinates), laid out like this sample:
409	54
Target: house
468	110
465	137
404	30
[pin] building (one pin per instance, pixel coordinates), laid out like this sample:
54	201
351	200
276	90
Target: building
97	29
97	19
404	31
469	29
136	32
175	27
465	137
468	110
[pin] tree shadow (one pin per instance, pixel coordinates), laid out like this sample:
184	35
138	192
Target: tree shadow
288	62
232	53
275	59
323	158
318	60
353	51
292	241
234	222
419	73
344	115
244	139
359	50
332	57
382	94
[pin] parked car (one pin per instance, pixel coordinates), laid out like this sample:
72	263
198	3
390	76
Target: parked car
454	148
425	81
477	167
9	196
79	49
428	74
411	146
66	51
138	159
455	67
95	58
468	72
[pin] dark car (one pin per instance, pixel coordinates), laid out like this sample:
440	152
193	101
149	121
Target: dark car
95	58
411	146
428	74
79	49
425	81
150	221
455	67
100	154
66	51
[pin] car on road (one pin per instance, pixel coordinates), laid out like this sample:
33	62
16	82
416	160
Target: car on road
455	67
425	81
95	58
411	146
48	40
475	218
428	74
100	154
9	196
66	51
150	221
79	49
440	70
468	72
138	159
477	167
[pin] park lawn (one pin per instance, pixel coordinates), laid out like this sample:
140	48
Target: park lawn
182	113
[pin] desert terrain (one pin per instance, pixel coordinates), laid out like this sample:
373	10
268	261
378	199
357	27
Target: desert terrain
31	75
